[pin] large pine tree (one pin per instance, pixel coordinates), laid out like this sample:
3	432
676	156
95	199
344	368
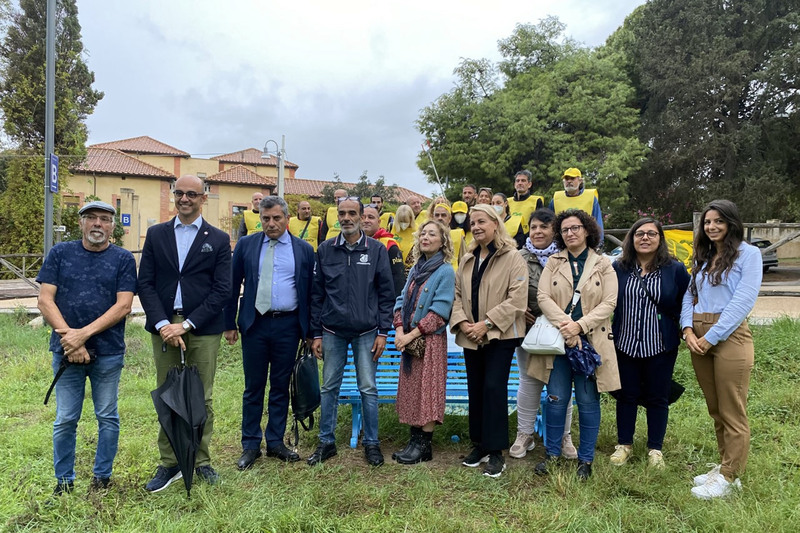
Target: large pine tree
22	101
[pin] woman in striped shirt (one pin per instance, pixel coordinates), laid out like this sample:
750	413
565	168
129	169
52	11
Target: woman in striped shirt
646	335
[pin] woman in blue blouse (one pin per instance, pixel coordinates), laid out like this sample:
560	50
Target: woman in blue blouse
726	277
646	335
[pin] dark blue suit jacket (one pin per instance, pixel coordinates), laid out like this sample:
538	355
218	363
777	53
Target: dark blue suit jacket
205	278
244	268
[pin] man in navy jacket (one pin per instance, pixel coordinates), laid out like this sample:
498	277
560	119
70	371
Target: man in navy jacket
184	282
276	268
351	305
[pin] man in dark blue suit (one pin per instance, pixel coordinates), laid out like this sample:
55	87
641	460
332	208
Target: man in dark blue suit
185	281
276	268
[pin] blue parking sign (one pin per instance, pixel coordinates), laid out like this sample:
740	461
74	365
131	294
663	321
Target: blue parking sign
53	173
126	219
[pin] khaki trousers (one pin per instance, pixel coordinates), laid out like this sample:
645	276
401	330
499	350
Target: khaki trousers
724	376
201	350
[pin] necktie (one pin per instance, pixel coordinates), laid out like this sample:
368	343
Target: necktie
264	292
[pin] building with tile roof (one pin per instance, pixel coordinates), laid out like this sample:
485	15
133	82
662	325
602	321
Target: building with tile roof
137	175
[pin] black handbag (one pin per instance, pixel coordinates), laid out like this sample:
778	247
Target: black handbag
304	390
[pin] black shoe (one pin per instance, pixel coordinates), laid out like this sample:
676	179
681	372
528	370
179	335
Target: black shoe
99	483
207	474
414	432
373	455
495	466
584	470
477	456
63	487
322	453
542	468
283	453
247	459
419	450
163	478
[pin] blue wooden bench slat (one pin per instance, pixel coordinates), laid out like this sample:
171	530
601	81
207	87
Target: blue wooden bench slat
388	375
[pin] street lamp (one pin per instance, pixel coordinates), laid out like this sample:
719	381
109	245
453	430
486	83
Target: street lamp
280	153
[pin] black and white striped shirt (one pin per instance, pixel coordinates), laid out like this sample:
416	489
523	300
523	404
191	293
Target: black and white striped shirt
639	332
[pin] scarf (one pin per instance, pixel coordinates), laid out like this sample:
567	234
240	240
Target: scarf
541	255
418	275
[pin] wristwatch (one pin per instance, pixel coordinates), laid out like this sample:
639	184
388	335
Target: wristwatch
187	326
488	324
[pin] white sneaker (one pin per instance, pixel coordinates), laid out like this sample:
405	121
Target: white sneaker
568	450
522	446
701	480
622	452
716	487
655	459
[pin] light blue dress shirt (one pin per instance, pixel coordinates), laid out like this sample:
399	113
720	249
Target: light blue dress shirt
733	298
184	238
284	291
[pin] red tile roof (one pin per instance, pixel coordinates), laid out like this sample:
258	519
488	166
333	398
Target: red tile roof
241	176
313	188
143	145
252	156
109	161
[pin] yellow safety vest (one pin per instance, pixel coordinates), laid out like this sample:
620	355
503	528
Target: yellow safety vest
332	218
457	236
512	225
405	241
385	217
523	209
252	221
422	217
584	201
310	234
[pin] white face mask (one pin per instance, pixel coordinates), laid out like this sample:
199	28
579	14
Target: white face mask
403	226
460	217
498	209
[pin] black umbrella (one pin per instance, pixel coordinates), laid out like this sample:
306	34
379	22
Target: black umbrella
180	403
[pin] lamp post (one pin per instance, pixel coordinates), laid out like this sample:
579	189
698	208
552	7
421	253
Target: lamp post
280	153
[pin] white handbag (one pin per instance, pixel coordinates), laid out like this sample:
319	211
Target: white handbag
543	338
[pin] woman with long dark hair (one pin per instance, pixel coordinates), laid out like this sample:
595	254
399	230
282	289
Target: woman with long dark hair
577	294
726	278
646	335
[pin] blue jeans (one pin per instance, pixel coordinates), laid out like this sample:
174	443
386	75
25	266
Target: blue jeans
103	374
334	351
559	396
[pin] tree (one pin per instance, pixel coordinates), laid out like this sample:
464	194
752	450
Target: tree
22	101
718	86
560	107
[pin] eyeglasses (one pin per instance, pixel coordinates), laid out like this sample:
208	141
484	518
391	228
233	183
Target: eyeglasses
103	218
573	229
650	234
348	199
191	195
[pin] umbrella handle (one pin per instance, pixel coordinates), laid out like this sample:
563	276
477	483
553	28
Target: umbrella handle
183	358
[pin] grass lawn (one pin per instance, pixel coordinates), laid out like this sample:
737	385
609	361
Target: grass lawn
345	494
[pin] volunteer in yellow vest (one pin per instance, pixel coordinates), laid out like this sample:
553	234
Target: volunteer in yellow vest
251	220
442	213
415	203
387	218
330	224
370	225
524	203
513	223
305	226
460	220
403	231
574	196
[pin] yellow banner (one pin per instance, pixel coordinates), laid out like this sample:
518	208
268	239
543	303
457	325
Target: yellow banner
679	243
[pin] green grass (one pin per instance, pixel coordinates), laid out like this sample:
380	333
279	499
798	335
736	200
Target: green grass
346	495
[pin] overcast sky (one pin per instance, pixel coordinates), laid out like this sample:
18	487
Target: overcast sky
343	81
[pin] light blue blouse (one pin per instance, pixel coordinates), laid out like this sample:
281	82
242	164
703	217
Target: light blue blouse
733	298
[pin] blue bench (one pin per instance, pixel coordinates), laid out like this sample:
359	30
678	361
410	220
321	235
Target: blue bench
388	374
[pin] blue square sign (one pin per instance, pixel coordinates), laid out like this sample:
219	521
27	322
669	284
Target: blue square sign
126	219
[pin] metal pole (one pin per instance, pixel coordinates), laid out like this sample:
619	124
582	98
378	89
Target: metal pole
49	120
281	156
